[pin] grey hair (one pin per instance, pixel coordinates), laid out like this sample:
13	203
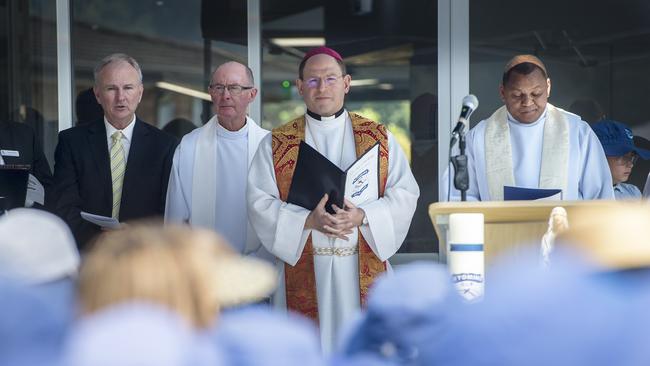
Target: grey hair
116	57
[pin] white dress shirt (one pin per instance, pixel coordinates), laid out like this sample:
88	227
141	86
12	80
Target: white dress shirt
127	132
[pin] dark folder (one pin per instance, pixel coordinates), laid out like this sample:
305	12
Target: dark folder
314	176
13	185
511	193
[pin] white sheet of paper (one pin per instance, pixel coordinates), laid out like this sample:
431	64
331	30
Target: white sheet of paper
362	180
35	192
103	221
12	153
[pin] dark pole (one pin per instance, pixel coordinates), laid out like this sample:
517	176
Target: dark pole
461	177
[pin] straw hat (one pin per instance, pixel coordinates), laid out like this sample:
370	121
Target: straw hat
237	279
242	280
614	235
193	271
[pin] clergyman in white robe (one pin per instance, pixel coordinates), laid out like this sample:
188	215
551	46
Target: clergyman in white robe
280	225
207	184
575	162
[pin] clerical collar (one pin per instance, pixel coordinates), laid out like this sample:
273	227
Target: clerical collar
323	118
232	135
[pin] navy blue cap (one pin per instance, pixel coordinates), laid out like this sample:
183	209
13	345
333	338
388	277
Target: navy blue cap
403	317
617	139
258	336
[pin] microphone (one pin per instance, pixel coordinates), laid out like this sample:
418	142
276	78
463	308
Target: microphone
470	103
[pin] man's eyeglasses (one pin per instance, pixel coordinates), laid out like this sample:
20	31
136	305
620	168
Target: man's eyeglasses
312	83
627	159
233	89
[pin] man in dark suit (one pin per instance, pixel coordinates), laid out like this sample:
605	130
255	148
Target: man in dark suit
19	146
118	166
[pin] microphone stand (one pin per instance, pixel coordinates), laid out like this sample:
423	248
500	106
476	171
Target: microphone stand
461	177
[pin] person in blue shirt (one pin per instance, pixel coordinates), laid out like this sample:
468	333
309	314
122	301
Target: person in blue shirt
618	143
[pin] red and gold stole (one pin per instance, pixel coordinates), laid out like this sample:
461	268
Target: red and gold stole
300	280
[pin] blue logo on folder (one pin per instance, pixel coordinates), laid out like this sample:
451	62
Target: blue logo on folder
360	176
359	192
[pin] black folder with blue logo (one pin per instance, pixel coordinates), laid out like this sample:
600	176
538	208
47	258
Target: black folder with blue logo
315	175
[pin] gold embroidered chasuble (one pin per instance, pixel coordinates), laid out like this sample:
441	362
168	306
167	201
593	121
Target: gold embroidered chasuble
300	280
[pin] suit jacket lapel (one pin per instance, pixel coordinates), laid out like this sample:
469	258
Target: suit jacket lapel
137	158
97	141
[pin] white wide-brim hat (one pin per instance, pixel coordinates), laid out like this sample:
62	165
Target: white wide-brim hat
36	247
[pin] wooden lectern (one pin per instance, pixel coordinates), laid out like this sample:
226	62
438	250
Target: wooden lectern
510	226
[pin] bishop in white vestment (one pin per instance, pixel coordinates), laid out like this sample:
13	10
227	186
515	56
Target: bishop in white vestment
285	228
